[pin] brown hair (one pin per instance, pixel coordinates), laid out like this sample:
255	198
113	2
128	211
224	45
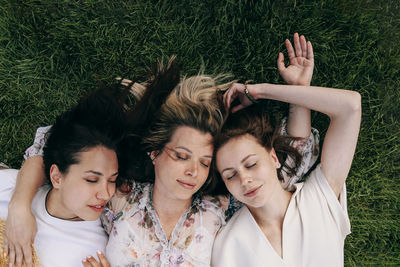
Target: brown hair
256	121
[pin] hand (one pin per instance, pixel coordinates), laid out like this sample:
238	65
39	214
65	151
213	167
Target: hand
237	91
92	262
19	235
301	67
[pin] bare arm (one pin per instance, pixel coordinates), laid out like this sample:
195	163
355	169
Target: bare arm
299	72
21	224
344	110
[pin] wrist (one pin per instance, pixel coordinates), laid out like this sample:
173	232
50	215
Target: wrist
260	90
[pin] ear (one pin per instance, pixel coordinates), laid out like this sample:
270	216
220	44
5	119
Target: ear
55	176
154	154
275	158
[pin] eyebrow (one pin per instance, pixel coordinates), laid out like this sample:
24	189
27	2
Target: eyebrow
244	159
188	150
99	173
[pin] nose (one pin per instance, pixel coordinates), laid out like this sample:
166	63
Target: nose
245	178
191	169
105	191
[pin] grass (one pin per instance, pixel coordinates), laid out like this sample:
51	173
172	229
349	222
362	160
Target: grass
52	51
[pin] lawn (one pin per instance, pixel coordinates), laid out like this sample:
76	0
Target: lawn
52	52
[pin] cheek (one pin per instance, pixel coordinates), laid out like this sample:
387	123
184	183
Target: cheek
233	188
111	189
204	173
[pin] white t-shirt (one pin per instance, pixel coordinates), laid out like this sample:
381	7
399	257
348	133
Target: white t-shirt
314	229
58	242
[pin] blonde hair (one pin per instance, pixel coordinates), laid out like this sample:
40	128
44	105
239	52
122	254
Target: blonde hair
194	103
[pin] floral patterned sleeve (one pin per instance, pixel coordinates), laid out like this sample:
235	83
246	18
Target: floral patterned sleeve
115	207
309	150
40	140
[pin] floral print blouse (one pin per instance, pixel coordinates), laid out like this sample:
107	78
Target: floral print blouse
136	237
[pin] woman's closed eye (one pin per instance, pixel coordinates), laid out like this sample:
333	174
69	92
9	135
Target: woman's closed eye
91	180
230	176
250	165
205	162
182	156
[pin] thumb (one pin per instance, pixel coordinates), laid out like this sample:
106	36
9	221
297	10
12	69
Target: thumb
237	108
280	62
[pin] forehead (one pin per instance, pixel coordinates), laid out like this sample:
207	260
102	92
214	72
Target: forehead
192	139
236	149
97	158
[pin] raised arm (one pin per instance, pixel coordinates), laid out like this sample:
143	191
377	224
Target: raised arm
343	108
299	72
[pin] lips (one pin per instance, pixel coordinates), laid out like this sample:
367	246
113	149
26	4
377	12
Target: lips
186	185
97	208
252	192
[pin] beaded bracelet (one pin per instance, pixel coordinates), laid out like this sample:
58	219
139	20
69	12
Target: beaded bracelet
246	91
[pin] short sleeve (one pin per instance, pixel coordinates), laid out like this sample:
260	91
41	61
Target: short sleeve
8	180
308	149
38	144
113	210
318	183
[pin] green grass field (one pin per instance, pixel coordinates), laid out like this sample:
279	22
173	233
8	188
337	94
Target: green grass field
52	52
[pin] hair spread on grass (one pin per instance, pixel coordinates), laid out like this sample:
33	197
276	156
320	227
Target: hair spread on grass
193	102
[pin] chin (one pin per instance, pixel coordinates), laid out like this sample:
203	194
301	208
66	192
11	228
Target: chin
255	204
185	195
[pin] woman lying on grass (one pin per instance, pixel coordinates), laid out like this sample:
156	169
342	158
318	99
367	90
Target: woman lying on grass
81	166
306	227
168	218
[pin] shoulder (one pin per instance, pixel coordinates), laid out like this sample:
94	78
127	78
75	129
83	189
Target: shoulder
215	206
234	243
121	200
240	219
315	198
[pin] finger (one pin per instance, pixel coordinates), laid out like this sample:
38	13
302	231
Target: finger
290	50
280	62
310	52
224	100
86	263
27	252
5	246
228	97
297	46
237	108
126	82
303	44
18	256
93	261
11	255
103	260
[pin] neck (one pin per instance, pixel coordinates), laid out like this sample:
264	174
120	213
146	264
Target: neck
54	207
167	206
274	210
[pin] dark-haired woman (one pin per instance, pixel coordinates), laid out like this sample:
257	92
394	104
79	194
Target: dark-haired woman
81	166
306	227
